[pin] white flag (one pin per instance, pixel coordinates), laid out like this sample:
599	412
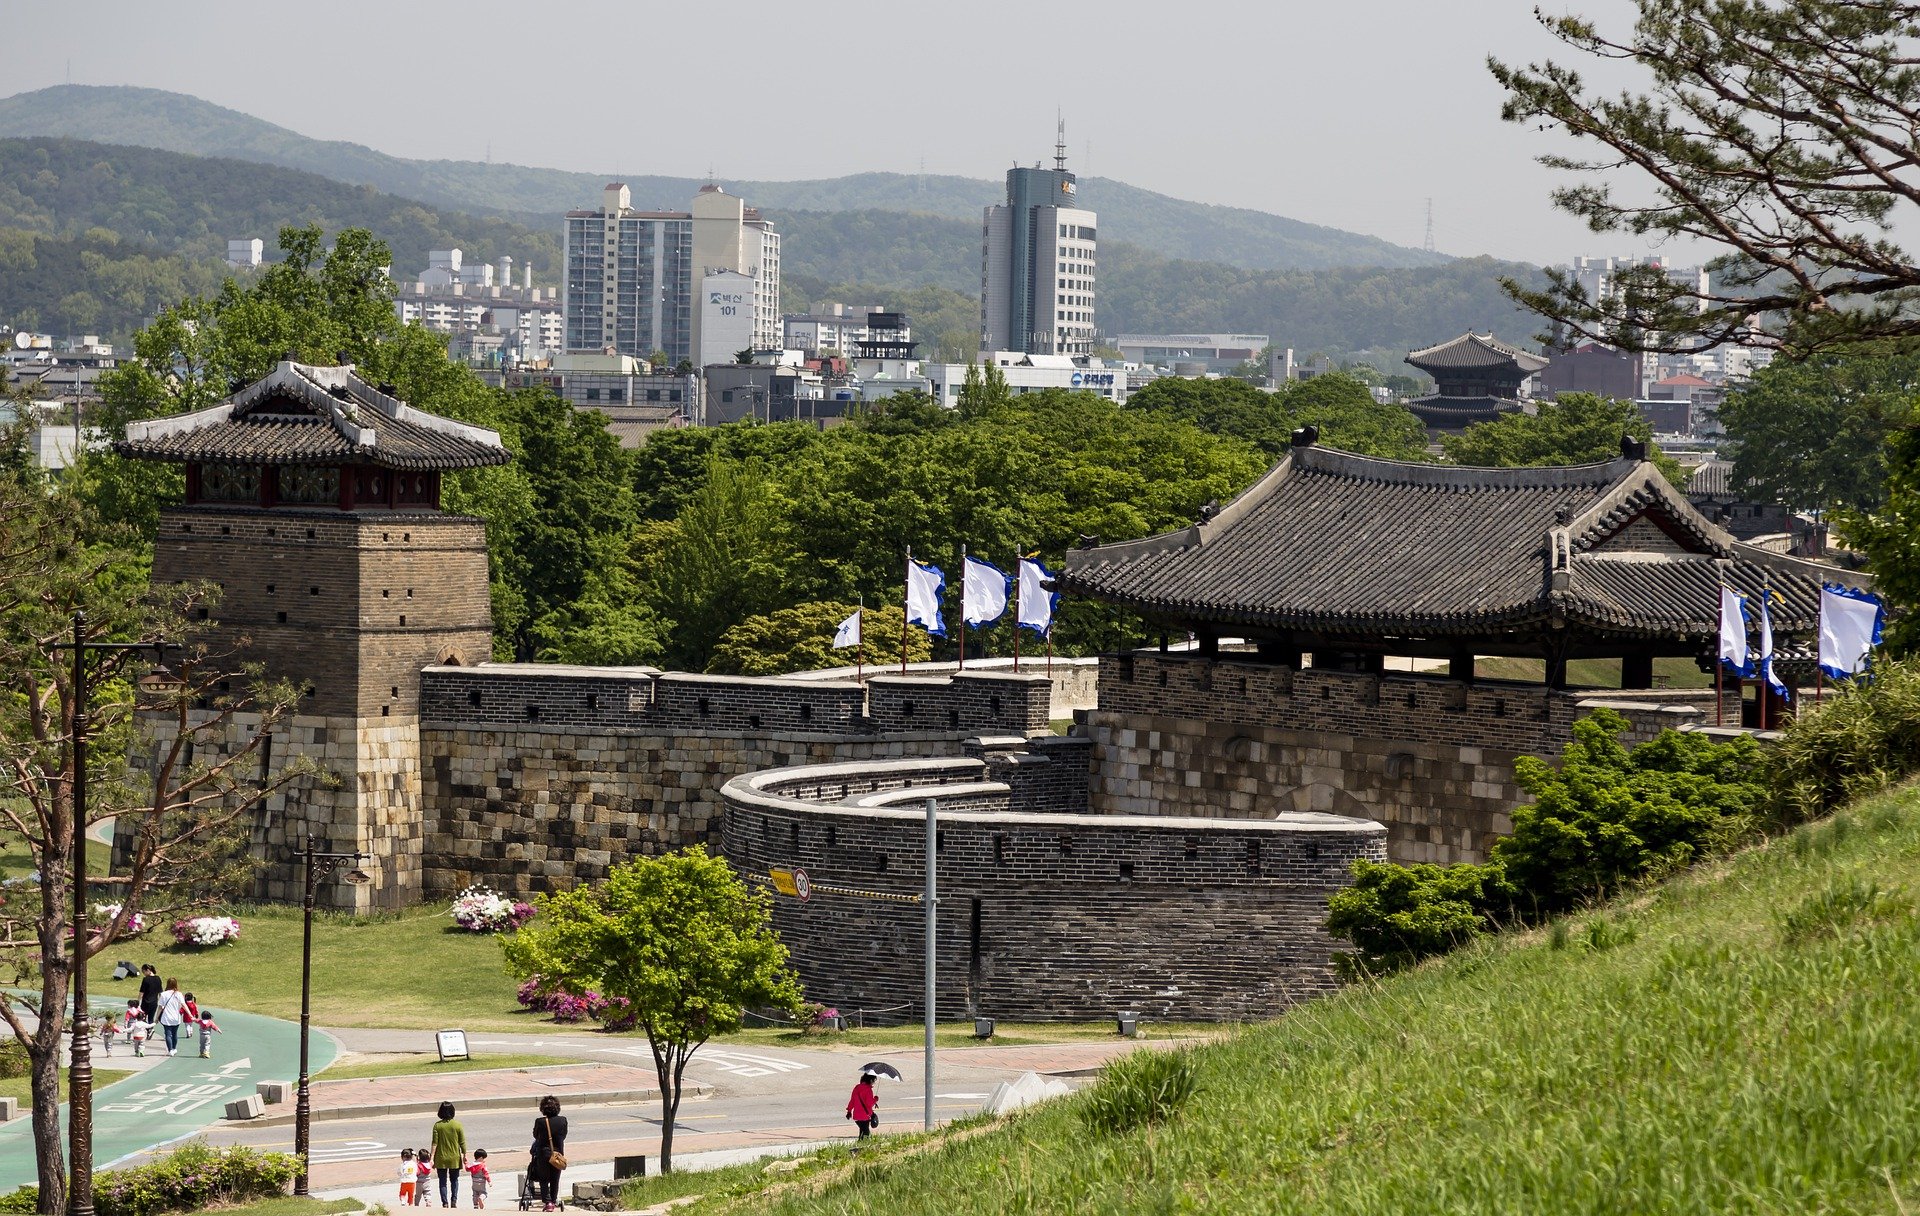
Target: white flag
1036	602
983	592
924	585
848	634
1766	644
1733	634
1849	627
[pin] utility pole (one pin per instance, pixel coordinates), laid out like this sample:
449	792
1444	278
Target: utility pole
1429	244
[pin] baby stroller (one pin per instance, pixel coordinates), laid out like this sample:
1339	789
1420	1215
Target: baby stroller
529	1197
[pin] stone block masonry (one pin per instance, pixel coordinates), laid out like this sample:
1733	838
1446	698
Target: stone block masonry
535	777
1430	758
1043	916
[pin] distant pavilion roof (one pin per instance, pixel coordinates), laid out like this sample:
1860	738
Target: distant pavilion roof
1332	547
1442	413
1472	352
300	414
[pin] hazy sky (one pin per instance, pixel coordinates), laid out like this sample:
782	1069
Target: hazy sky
1350	113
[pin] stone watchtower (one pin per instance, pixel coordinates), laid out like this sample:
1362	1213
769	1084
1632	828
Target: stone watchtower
313	501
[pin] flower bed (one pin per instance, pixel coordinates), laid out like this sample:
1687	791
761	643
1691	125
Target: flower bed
104	914
612	1012
484	910
206	930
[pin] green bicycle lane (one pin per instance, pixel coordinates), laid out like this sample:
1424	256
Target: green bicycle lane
177	1096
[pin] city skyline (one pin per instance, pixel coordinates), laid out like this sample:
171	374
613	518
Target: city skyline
1308	115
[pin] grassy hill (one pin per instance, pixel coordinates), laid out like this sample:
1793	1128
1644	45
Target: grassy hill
1167	226
1742	1039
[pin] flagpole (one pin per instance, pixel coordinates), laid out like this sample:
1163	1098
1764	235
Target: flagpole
860	639
1719	692
963	607
906	608
1019	577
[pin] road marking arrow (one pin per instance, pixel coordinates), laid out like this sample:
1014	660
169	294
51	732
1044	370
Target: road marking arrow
237	1067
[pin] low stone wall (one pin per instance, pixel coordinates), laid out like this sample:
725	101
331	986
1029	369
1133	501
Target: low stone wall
1042	916
1431	758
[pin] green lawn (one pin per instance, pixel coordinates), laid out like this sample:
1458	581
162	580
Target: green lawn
18	1087
1742	1039
743	1179
17	862
410	970
354	1069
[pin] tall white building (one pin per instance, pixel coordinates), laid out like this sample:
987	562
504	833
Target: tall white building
1038	265
634	279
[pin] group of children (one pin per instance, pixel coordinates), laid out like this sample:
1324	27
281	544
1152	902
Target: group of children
135	1027
416	1177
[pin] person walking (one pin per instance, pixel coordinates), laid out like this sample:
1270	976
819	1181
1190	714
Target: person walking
482	1177
149	992
137	1027
172	1013
449	1155
864	1106
207	1030
549	1156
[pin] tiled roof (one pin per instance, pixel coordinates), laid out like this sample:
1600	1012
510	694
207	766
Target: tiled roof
299	414
1455	413
1332	543
1471	350
1715	477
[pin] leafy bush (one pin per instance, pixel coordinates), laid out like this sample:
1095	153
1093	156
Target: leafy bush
484	910
1397	915
1863	736
1610	816
206	930
14	1061
1140	1088
23	1199
194	1177
1607	817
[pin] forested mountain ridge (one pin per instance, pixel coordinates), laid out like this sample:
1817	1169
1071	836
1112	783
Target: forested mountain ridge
116	230
1168	226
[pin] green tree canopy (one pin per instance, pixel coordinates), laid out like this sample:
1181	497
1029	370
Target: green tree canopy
1340	405
1578	428
1812	435
681	938
800	638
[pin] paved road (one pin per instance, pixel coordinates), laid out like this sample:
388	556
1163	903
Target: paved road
173	1098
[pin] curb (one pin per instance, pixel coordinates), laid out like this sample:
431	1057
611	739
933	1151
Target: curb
285	1118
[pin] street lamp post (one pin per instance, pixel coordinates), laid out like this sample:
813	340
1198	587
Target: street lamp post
80	1057
318	865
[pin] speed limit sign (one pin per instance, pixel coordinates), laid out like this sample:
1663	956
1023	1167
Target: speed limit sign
801	886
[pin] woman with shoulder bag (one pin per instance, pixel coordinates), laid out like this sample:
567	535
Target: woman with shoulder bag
549	1155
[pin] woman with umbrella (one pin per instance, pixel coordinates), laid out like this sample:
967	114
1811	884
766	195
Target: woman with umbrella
864	1106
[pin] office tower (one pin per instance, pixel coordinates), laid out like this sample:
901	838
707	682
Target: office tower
1037	265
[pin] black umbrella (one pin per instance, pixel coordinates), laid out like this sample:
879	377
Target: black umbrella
881	1070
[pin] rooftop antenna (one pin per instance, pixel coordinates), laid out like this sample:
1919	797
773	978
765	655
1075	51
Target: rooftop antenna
1429	244
1060	142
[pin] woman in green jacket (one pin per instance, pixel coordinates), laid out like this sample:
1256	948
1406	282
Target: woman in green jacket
449	1155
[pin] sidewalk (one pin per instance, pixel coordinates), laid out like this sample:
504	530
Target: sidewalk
481	1089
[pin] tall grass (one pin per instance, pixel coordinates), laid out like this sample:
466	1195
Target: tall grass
1741	1040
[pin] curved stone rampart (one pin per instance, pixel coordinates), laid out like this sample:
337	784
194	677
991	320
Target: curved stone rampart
1043	916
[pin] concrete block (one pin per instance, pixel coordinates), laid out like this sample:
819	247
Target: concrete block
9	1109
244	1108
272	1093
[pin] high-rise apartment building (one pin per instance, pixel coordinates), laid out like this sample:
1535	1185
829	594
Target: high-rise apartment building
635	279
1037	265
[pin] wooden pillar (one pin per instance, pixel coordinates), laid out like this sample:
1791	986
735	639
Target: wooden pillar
1460	667
1556	670
1209	644
1636	670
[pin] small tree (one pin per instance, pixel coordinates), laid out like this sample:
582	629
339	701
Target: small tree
681	938
180	819
800	638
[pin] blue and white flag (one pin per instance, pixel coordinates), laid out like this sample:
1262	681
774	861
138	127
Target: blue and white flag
848	634
924	585
1766	646
1850	624
1036	602
1733	634
983	592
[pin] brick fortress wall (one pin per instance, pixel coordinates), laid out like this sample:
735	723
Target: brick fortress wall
539	776
1429	757
1043	915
